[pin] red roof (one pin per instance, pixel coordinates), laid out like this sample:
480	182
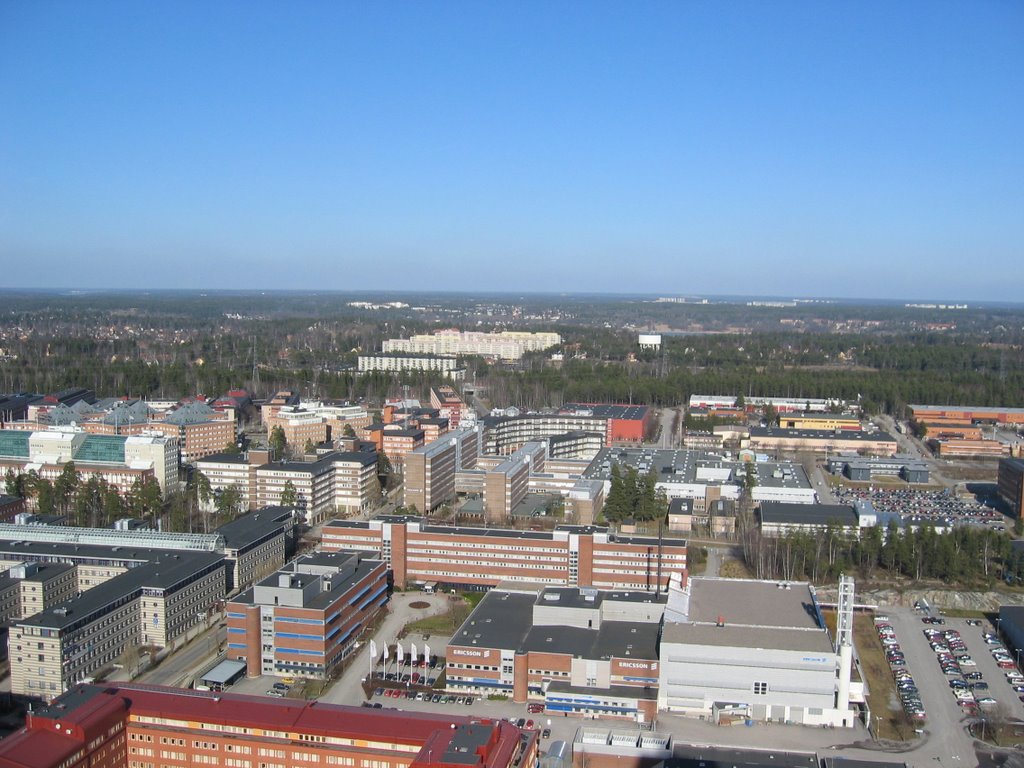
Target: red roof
37	749
286	714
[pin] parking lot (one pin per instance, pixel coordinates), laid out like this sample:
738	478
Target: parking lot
942	508
953	690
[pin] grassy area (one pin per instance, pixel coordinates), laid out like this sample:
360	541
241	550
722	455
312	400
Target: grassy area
734	569
446	623
433	625
995	730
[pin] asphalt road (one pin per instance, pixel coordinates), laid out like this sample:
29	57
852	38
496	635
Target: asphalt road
182	665
945	735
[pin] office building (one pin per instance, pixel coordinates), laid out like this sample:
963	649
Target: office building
305	618
314	421
955	447
257	544
935	414
912	469
117	459
398	440
780	518
449	404
10	507
821	441
430	469
335	482
28	588
831	421
126	726
782	405
1010	480
683	474
481	558
717	518
582	652
504	435
152	604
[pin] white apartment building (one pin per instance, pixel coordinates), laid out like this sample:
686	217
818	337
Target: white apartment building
505	345
447	364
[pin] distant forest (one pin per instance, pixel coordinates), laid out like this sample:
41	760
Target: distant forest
169	345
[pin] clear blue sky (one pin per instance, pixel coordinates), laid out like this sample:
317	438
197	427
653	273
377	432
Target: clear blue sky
865	149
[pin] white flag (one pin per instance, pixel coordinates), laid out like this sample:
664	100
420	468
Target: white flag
426	654
385	653
399	654
373	652
412	653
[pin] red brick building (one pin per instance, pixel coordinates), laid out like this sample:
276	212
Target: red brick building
481	558
315	608
155	727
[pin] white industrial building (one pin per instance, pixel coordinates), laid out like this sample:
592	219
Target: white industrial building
756	650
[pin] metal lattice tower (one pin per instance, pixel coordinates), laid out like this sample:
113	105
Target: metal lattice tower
844	623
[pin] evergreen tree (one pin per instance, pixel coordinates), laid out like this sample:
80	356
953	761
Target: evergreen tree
277	443
289	498
615	505
647	497
65	487
14	484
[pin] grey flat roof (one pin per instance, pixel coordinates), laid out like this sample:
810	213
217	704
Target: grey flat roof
772	638
618	691
493	532
572	641
807	514
253	527
979	408
501	620
223	672
353	567
223	458
846	435
626	638
685	466
607	411
164	572
505	620
48	571
755	603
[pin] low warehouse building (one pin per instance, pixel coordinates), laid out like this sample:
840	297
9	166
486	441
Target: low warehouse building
753	650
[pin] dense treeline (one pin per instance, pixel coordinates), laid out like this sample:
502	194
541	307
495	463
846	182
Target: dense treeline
883	390
172	344
93	503
967	555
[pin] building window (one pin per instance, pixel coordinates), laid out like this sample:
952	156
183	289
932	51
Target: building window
760	689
